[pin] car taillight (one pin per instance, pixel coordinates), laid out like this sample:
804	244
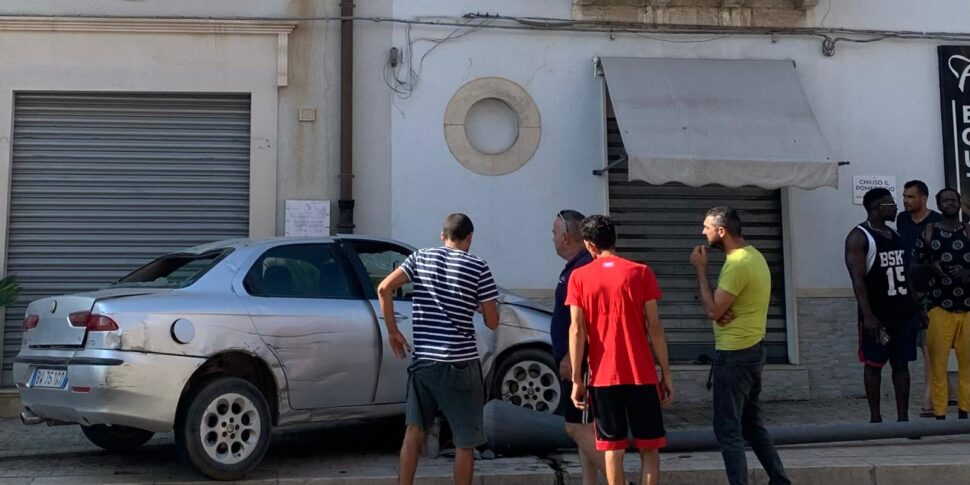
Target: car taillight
31	321
92	321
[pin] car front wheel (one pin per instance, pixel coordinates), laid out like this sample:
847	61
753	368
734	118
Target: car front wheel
116	438
224	431
528	378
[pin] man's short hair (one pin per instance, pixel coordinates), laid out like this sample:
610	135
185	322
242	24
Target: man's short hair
600	231
572	221
939	195
457	227
726	217
920	187
873	195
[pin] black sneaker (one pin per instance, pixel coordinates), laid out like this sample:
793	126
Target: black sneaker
962	414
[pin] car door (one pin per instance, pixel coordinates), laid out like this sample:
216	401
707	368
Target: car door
377	259
315	320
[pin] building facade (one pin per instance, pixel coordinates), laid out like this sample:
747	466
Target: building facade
451	113
877	105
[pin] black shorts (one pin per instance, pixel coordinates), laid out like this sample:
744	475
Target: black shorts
901	348
619	411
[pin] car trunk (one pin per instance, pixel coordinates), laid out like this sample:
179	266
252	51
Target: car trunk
55	330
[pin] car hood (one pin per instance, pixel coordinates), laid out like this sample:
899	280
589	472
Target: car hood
510	298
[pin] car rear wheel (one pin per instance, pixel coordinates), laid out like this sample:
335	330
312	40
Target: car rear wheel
116	438
528	378
224	431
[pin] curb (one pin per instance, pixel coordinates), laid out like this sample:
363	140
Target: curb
859	474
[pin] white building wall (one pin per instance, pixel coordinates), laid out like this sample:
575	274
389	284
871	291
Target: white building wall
877	104
307	154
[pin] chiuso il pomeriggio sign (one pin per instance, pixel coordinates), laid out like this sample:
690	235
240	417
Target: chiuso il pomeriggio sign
955	107
864	183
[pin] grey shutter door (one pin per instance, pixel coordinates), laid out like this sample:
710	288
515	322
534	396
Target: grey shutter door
660	225
105	182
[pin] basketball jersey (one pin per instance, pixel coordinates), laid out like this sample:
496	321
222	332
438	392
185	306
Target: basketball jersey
886	284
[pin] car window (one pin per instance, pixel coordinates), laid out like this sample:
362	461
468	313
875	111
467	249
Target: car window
298	271
379	259
173	270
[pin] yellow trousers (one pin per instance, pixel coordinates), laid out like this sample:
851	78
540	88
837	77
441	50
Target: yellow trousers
948	330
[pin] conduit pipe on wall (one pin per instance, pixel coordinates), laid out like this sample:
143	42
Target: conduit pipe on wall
511	429
345	205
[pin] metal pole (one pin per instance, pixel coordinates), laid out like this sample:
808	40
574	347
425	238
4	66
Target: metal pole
345	205
512	430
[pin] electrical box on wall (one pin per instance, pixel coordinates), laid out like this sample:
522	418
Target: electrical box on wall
308	114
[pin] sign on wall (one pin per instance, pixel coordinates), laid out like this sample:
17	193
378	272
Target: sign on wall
864	183
955	107
307	218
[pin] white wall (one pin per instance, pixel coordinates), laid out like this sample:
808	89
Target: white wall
372	120
878	105
307	153
85	61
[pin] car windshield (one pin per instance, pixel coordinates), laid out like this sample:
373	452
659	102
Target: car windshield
176	270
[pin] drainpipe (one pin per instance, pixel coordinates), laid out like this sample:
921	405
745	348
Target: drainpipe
345	205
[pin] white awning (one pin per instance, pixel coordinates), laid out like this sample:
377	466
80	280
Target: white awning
726	122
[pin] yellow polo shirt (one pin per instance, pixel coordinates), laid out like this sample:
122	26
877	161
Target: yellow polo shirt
745	275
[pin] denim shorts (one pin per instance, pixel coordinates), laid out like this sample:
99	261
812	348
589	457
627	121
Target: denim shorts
454	388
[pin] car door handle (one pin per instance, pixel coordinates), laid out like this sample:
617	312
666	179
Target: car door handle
397	316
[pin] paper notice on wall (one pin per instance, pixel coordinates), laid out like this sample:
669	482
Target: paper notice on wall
864	183
307	218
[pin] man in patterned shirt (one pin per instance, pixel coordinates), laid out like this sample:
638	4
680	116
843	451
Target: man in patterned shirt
945	247
449	285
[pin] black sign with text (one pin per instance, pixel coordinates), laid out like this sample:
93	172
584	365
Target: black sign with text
955	106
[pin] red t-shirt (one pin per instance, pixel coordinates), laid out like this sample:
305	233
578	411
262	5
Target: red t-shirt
612	292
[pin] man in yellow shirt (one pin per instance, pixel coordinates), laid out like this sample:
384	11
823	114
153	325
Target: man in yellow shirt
739	310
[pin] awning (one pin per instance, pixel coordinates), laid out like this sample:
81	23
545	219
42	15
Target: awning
726	122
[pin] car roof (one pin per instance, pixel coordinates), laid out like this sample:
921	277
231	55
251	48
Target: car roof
271	241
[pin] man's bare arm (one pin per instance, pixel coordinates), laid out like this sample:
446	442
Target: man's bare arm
855	262
385	295
490	313
577	341
716	302
658	341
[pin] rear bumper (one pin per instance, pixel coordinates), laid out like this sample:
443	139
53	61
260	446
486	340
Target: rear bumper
134	389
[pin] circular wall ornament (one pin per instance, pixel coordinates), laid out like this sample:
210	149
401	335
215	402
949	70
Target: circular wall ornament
492	126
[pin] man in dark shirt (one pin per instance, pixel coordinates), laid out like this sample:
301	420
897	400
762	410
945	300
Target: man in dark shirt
910	225
568	241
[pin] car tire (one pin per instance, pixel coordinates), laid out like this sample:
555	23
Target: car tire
224	430
528	378
116	438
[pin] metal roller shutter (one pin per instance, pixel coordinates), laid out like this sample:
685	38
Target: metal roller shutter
104	182
660	225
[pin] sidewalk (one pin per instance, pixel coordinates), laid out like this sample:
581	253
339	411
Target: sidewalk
365	453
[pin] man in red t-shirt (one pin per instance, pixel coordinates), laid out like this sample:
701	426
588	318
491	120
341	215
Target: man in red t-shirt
613	308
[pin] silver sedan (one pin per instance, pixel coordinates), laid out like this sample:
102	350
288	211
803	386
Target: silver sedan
225	341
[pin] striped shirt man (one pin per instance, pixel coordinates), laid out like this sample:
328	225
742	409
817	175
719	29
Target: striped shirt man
449	284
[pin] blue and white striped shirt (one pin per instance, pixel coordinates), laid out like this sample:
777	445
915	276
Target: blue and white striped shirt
449	284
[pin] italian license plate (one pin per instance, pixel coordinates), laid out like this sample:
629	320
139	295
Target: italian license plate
50	379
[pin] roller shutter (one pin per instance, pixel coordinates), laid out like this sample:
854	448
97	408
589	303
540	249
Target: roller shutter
660	225
104	182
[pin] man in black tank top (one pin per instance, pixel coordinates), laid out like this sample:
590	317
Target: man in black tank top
888	312
944	250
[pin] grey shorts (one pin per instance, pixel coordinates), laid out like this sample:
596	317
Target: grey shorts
455	388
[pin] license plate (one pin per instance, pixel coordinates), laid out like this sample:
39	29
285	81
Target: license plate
50	379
